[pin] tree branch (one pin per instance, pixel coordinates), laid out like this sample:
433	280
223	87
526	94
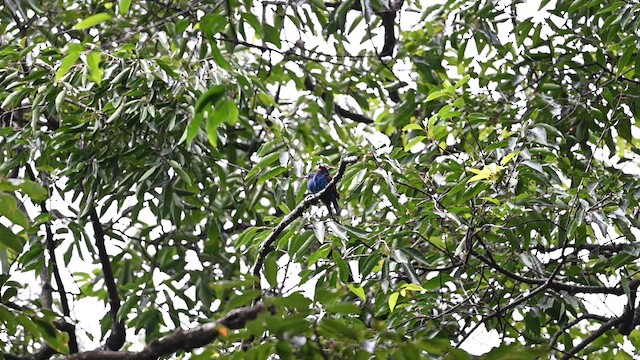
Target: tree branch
591	338
575	322
181	340
571	288
47	299
310	86
117	337
267	246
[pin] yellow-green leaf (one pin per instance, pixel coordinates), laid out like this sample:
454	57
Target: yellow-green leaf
508	158
410	127
491	200
393	300
358	291
413	287
413	142
436	94
92	20
487	172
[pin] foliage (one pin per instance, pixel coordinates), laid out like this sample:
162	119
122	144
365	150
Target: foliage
158	144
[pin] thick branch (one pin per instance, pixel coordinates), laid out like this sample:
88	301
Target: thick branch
351	115
267	246
181	340
117	337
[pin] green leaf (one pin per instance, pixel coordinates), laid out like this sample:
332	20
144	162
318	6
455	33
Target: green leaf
9	240
508	158
56	339
410	127
9	100
437	94
265	162
271	270
60	99
272	35
180	171
336	328
338	230
210	98
413	142
624	60
211	24
30	188
212	125
73	54
123	9
227	112
634	337
295	301
9	209
271	174
167	68
359	291
192	129
92	20
93	60
243	299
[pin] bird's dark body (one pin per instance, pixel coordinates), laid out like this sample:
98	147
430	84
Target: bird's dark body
318	181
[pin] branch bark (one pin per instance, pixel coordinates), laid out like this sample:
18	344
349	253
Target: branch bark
181	340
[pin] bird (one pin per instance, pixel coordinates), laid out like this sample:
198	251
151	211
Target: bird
318	181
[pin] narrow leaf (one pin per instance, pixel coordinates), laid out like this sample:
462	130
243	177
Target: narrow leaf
123	9
92	20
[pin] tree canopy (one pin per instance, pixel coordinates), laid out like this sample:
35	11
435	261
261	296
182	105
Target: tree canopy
154	154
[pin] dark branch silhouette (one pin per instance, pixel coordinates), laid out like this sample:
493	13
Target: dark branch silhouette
118	330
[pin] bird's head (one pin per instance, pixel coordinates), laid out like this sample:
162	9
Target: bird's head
322	169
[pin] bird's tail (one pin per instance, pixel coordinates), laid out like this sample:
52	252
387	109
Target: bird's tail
335	205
